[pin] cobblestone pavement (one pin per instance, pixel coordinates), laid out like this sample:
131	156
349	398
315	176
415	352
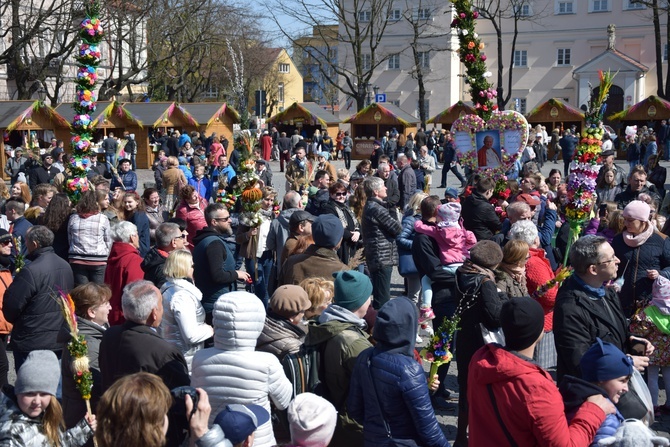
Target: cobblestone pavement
448	418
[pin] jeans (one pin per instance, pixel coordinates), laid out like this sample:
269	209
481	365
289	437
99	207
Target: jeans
347	159
4	361
381	286
566	167
83	274
454	170
264	264
133	161
110	158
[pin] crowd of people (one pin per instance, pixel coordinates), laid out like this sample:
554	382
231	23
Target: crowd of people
285	332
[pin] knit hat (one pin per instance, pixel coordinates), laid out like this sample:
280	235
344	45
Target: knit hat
376	143
522	322
311	420
449	212
660	292
39	373
451	192
327	230
4	235
604	361
638	210
486	254
288	301
352	289
239	421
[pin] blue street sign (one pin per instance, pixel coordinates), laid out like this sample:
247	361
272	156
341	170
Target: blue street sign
380	97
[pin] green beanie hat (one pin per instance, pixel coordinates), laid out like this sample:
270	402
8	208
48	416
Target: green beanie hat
352	289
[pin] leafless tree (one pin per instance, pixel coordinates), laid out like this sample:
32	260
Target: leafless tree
362	24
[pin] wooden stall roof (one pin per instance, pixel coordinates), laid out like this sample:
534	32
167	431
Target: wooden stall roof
314	114
104	109
14	113
640	111
206	112
452	113
390	111
565	112
154	114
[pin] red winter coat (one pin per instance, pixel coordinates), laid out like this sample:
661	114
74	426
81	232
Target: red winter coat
266	146
124	266
528	402
194	216
538	273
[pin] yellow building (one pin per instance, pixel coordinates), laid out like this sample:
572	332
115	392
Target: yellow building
282	83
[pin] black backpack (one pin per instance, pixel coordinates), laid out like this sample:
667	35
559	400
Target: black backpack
304	370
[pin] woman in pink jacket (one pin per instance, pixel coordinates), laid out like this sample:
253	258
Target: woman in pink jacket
192	210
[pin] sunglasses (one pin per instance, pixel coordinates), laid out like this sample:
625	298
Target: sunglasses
5	243
340	194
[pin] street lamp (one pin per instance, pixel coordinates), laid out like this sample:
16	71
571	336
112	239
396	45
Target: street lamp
376	89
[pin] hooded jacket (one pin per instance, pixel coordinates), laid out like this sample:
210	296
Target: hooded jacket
389	374
340	336
19	430
123	267
575	391
232	372
183	322
529	404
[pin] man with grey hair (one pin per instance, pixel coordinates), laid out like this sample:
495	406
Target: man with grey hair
392	190
124	266
135	346
29	303
585	309
379	233
168	238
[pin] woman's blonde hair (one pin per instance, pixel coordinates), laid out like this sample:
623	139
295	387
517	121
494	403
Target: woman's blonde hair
173	161
178	264
515	252
415	202
319	291
132	412
52	422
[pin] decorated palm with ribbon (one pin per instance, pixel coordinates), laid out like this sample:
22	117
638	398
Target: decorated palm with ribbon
88	59
585	165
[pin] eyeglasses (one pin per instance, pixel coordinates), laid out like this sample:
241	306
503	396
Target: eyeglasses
340	194
614	259
181	236
222	219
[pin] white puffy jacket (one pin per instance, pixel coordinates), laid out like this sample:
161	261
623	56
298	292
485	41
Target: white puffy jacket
232	372
183	322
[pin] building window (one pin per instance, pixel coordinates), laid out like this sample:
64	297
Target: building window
424	59
423	14
395	15
280	92
396	102
426	108
210	92
520	105
366	61
599	5
633	5
522	10
364	16
520	58
284	68
394	62
565	8
665	53
563	57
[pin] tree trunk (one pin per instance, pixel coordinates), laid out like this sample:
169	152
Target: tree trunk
659	51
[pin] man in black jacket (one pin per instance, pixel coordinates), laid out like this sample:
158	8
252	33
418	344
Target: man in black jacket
29	303
637	184
135	346
406	181
478	214
450	162
44	173
585	309
168	238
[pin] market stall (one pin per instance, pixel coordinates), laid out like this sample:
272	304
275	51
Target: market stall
447	117
372	122
306	117
163	116
30	124
214	117
556	114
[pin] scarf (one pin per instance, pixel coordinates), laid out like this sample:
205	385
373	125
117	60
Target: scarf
517	272
470	267
635	240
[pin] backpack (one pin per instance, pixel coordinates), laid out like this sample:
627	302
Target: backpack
304	370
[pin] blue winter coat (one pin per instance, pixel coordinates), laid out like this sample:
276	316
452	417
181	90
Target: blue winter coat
399	380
